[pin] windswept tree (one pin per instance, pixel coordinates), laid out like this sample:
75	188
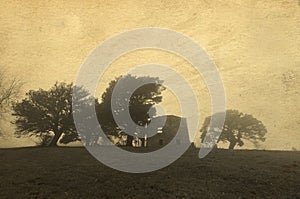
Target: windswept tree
140	102
47	114
237	127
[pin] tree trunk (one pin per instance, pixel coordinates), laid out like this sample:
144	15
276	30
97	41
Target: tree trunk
55	139
143	142
129	140
232	145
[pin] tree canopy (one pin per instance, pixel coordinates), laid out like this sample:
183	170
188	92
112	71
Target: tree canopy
48	113
140	102
237	127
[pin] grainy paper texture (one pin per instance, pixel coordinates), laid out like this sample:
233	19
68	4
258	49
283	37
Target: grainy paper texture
255	45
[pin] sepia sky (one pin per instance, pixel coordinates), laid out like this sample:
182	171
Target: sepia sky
255	45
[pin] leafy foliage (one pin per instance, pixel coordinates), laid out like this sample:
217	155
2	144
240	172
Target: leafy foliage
46	112
140	102
237	127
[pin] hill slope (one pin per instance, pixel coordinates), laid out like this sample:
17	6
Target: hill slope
74	173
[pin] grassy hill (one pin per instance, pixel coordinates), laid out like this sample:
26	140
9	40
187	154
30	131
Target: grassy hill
74	173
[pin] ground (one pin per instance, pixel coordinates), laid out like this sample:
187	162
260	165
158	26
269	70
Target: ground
73	173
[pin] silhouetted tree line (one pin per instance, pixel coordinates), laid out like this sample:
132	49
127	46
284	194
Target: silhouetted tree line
48	114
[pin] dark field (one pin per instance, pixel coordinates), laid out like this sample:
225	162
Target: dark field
74	173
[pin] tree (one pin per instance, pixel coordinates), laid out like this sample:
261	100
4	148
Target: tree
140	102
9	91
45	113
237	127
44	140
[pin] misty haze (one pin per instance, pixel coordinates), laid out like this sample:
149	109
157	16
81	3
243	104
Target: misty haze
151	123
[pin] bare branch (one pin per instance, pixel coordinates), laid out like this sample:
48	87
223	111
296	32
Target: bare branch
9	91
